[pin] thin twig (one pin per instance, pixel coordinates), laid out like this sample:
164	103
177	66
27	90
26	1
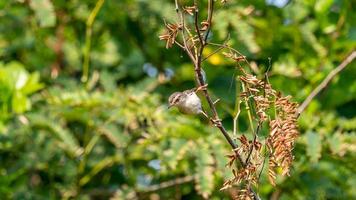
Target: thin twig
170	183
235	119
253	143
181	18
177	6
180	45
325	82
184	39
110	191
192	40
213	53
218	49
231	49
248	107
266	81
263	164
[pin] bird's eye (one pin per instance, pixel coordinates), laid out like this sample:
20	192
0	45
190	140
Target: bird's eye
176	100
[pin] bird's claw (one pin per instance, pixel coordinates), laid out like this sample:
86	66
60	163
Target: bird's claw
201	88
216	122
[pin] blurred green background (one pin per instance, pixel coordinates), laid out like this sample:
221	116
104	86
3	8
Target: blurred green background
113	137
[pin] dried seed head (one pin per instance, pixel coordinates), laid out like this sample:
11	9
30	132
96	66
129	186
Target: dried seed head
170	34
189	9
204	25
283	133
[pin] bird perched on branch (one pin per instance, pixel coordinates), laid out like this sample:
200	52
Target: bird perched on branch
188	101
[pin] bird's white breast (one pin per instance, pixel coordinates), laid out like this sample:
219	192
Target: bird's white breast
192	105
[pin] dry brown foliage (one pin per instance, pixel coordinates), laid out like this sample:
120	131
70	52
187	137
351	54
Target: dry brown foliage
278	113
170	34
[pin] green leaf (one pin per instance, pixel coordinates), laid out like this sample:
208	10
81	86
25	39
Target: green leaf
176	152
44	12
219	151
16	83
108	81
33	84
287	67
14	75
20	103
307	33
335	142
114	135
243	28
322	6
67	141
313	146
204	170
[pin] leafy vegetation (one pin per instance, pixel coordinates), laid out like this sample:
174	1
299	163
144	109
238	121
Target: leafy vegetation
112	136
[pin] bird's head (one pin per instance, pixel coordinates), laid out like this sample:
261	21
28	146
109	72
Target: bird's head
175	99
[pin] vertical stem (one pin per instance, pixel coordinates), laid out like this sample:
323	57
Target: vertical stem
86	55
209	19
196	24
248	109
88	33
235	120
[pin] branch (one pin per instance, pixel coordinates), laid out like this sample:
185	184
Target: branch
253	143
325	82
201	81
225	46
169	183
197	61
216	121
196	24
111	191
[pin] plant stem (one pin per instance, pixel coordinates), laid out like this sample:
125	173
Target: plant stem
88	33
248	109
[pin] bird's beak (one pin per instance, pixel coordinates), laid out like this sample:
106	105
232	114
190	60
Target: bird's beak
170	106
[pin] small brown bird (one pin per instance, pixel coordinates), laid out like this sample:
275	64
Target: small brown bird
188	101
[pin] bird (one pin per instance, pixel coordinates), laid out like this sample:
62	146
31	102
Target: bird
187	101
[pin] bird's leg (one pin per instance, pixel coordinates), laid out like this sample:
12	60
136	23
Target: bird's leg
205	115
215	122
201	88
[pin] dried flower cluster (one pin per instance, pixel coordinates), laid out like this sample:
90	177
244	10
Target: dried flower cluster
264	104
234	56
189	9
283	132
170	35
248	173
